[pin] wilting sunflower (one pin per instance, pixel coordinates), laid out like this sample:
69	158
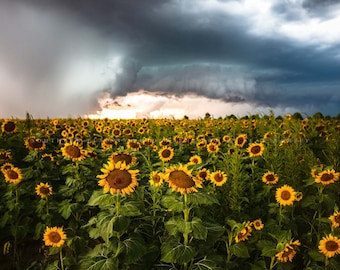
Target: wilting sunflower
73	151
43	190
35	144
166	153
335	219
241	140
258	225
289	251
195	159
329	246
203	174
9	127
327	177
156	179
181	180
244	233
218	177
54	236
285	195
12	175
255	149
123	157
270	178
118	178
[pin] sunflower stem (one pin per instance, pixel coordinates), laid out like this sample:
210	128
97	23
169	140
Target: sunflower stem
61	259
186	211
272	263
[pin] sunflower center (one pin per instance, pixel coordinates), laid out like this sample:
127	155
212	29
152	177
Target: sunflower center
255	149
123	158
240	140
218	177
337	219
203	175
166	153
44	190
331	245
54	237
134	145
156	179
119	179
326	177
285	195
35	143
181	179
270	178
12	174
73	151
9	126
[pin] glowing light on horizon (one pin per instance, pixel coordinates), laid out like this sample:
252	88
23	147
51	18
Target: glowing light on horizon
144	104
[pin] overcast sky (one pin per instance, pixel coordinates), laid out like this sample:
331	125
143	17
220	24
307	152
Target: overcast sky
58	57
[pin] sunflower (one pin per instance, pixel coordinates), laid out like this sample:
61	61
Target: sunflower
226	138
241	140
47	157
156	179
270	178
327	177
118	178
218	178
195	159
6	166
166	153
335	219
285	195
35	144
212	148
164	142
203	174
9	127
258	225
43	190
123	157
108	143
133	145
201	144
54	236
12	175
116	132
73	151
255	149
181	180
5	156
148	142
289	251
329	246
298	196
244	233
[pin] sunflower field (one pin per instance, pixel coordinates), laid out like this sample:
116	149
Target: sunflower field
258	192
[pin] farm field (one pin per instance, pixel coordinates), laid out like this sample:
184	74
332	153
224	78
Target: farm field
258	192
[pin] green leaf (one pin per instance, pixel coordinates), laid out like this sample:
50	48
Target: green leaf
199	231
134	249
268	248
259	265
239	250
65	208
171	226
316	255
172	203
99	198
173	252
206	264
200	198
130	209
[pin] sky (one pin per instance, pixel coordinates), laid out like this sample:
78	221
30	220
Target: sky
169	58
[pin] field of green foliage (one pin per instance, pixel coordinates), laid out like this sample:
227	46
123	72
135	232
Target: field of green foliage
258	192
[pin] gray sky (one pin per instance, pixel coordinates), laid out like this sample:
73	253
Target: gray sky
58	57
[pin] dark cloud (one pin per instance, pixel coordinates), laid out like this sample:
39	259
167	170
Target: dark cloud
166	46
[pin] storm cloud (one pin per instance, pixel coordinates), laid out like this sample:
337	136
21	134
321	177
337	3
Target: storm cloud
57	57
